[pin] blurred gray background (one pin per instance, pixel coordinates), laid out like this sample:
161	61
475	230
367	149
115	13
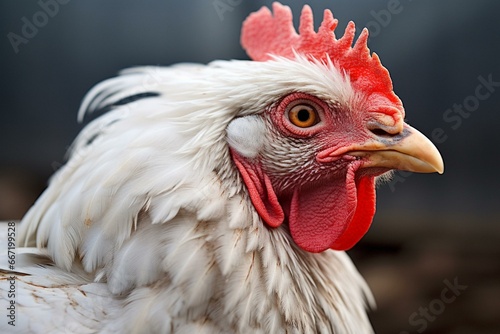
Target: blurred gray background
429	229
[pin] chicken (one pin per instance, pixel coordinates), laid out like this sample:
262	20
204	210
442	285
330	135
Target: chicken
220	198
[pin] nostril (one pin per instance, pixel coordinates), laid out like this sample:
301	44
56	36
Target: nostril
384	129
381	133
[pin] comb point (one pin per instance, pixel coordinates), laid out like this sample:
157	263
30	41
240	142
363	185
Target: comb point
306	26
329	22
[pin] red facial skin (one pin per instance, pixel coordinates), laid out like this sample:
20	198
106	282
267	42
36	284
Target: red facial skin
327	203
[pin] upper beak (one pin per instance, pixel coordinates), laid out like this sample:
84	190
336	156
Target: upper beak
410	151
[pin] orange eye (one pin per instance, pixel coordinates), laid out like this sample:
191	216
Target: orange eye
303	116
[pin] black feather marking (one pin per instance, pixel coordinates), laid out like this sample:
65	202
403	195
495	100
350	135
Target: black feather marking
96	135
132	98
104	109
129	99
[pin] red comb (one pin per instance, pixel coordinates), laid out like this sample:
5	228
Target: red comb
264	36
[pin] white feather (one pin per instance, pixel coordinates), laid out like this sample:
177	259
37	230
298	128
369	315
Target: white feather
151	205
246	135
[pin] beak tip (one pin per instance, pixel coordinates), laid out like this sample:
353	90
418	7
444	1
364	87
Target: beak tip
440	164
435	164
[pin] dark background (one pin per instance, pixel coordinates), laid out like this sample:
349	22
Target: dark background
429	229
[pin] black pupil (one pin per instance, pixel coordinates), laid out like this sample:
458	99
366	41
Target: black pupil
303	115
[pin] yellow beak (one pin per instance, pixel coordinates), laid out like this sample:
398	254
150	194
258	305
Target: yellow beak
414	152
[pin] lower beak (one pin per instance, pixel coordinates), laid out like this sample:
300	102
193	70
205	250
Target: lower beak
410	151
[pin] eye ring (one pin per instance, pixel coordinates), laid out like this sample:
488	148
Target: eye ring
297	127
303	115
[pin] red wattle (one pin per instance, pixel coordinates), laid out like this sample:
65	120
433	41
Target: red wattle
261	192
360	223
333	214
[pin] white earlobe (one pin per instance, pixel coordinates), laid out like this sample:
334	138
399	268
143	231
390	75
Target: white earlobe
246	135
